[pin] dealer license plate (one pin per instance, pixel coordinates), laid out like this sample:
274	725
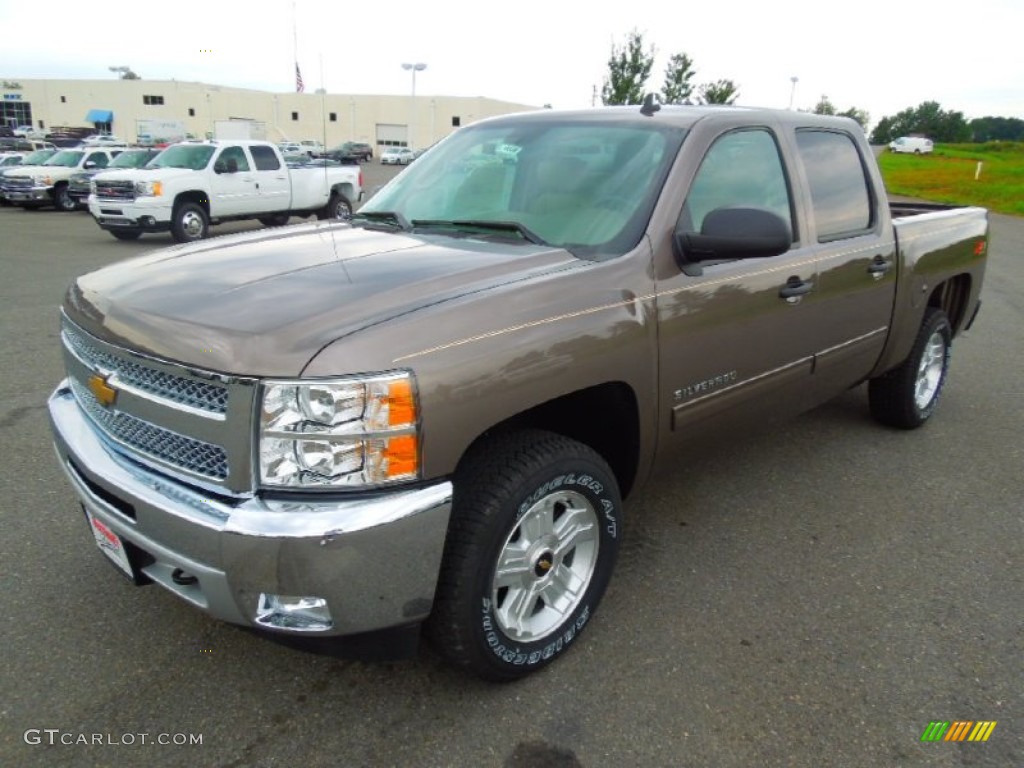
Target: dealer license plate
110	544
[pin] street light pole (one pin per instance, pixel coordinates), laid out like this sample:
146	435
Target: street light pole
414	68
792	91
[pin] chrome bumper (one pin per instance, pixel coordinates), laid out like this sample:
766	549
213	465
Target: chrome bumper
374	560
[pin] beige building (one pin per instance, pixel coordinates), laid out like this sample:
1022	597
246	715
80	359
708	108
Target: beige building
118	106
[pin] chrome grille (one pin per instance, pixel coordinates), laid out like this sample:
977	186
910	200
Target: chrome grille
205	396
18	182
185	452
115	190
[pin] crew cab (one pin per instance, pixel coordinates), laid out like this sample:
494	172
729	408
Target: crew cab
48	184
192	185
431	415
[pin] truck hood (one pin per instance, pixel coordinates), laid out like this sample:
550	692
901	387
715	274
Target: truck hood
146	174
264	303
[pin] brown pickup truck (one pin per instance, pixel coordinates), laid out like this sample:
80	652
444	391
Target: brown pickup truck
429	417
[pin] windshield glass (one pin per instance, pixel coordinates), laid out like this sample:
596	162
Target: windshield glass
67	158
131	159
39	156
192	156
583	185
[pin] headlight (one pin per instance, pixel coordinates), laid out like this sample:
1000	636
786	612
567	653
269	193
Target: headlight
92	187
343	433
43	181
149	188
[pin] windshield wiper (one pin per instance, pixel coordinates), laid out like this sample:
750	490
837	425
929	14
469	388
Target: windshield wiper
511	227
388	218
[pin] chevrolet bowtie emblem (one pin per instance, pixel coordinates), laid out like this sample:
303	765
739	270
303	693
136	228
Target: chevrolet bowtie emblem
105	393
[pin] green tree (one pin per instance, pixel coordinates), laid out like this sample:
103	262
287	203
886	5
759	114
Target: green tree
824	107
628	70
997	129
678	74
718	92
859	115
927	119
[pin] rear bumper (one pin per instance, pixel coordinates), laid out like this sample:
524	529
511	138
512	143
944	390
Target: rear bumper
374	560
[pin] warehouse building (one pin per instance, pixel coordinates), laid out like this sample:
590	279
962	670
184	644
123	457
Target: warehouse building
125	107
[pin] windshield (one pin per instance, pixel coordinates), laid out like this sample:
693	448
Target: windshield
130	159
67	158
39	156
583	185
192	156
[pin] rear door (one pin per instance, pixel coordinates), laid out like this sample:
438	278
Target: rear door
851	308
272	182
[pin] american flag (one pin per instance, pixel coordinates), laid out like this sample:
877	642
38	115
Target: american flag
299	86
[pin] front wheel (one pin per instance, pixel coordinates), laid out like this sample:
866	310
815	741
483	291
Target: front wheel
531	547
906	396
189	223
62	201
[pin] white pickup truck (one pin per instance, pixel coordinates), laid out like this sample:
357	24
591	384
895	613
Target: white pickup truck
47	184
192	185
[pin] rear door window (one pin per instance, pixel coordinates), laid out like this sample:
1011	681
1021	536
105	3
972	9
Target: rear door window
264	158
838	183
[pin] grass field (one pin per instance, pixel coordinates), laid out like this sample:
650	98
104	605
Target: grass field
947	175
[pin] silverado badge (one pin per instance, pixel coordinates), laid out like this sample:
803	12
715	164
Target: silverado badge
105	393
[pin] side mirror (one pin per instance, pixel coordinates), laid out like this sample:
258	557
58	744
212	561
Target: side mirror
734	233
89	164
220	167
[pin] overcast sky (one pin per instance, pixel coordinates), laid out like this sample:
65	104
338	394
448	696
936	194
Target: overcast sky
878	56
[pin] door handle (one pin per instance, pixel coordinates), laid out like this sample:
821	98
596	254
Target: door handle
879	266
795	289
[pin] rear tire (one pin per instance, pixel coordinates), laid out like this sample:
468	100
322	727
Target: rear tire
338	208
531	546
906	396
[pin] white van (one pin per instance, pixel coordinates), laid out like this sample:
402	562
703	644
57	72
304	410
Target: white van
915	144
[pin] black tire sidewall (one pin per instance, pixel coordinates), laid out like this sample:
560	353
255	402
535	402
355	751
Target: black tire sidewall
178	228
507	656
936	322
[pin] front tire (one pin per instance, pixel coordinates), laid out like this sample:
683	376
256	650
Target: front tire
62	201
189	223
531	547
907	396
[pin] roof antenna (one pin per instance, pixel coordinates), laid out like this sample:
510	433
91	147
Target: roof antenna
650	106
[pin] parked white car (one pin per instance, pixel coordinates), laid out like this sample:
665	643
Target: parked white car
312	148
916	144
397	156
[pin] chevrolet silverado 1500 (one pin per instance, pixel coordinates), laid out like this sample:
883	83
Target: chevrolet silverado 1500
431	415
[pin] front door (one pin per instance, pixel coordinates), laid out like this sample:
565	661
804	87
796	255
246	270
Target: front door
733	338
233	187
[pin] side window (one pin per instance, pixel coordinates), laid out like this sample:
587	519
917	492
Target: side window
238	155
742	169
264	158
99	158
839	185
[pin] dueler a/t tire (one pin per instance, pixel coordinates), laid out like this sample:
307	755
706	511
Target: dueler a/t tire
531	547
907	396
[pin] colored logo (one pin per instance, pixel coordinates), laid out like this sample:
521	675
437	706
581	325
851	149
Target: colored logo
958	730
105	393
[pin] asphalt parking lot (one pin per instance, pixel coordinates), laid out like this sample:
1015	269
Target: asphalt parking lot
813	595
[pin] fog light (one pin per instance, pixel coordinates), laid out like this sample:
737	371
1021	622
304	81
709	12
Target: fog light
298	614
148	221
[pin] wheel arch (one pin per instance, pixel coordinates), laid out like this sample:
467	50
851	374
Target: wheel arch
605	417
194	196
952	297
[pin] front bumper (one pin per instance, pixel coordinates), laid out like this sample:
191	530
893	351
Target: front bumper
30	195
130	214
375	560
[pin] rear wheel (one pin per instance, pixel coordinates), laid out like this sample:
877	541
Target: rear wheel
189	222
338	208
531	547
906	396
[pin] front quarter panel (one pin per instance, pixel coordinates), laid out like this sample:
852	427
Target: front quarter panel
486	357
